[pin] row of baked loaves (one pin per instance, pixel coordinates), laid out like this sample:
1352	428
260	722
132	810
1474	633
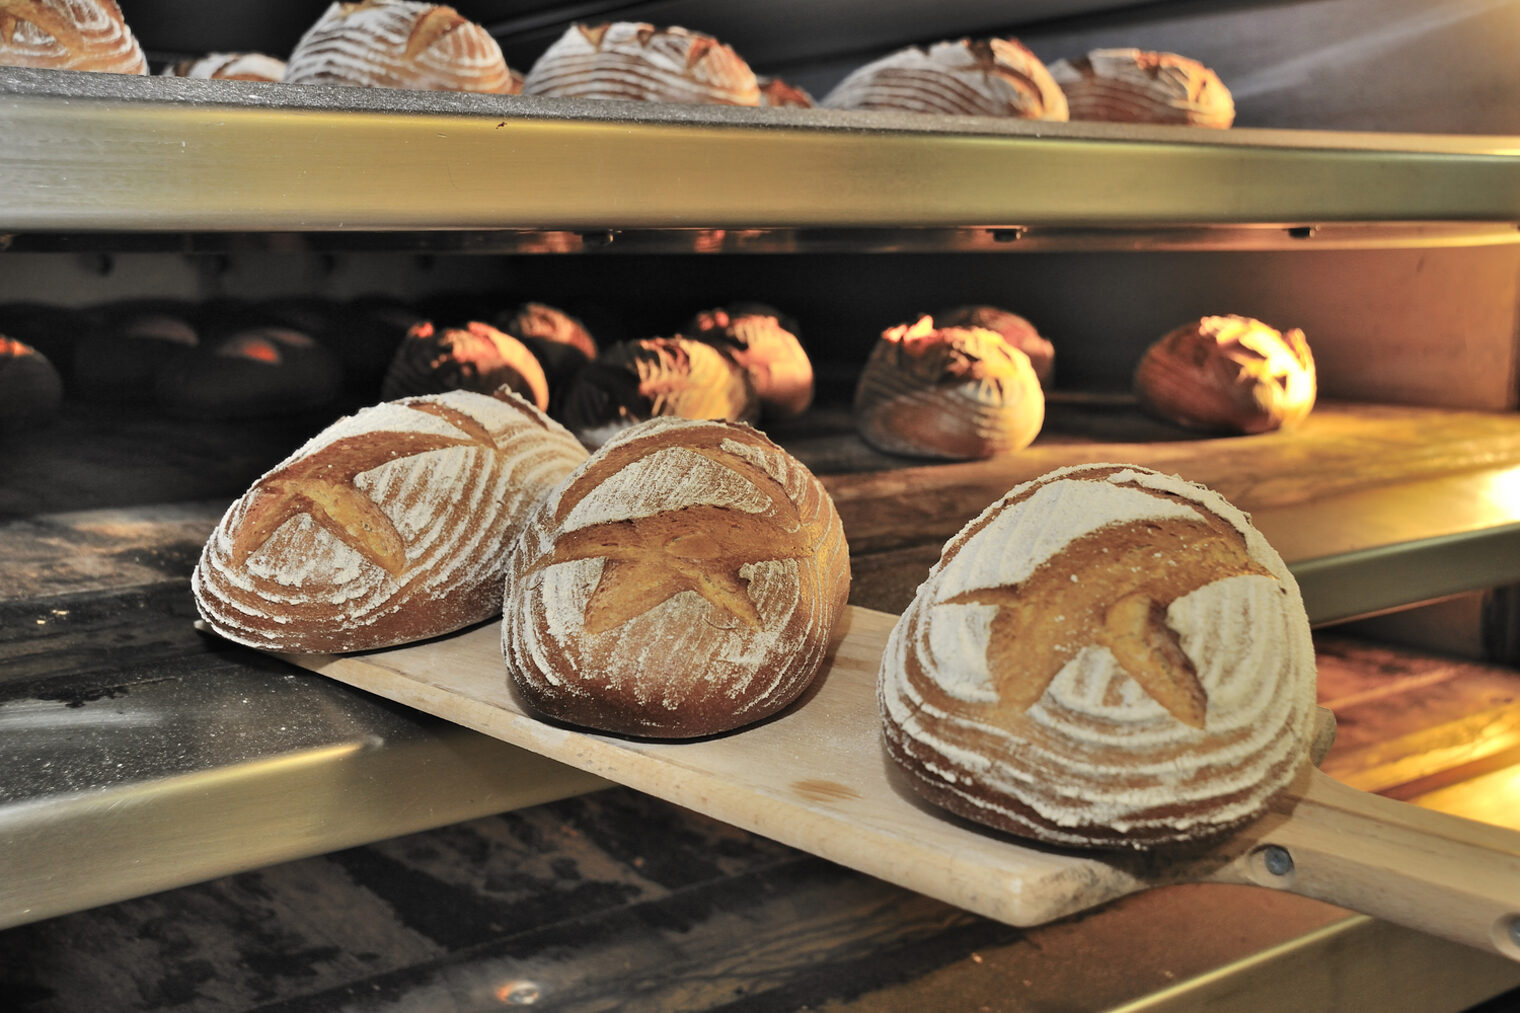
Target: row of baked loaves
965	383
404	44
688	579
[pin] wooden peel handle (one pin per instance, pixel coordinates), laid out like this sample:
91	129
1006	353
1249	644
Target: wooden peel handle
1426	870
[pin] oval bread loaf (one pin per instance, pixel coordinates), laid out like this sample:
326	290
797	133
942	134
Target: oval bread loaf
952	392
400	44
685	581
389	526
68	35
964	77
637	62
1138	86
1106	656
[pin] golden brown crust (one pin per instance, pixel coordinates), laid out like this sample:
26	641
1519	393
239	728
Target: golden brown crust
475	357
1140	86
965	77
68	35
1229	374
764	343
685	581
953	392
638	62
1012	328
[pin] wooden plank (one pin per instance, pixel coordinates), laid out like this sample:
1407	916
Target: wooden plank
825	787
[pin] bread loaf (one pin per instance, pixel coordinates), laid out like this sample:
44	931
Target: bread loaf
955	392
68	35
1228	374
389	526
635	61
474	357
632	381
256	372
121	360
229	67
1107	656
1135	86
31	390
400	44
967	77
684	581
776	92
1012	328
765	345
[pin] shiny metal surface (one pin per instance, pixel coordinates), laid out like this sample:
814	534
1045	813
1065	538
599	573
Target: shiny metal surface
189	778
164	155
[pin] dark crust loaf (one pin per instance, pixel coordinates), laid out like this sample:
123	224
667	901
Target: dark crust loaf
633	381
31	390
764	343
253	373
685	581
389	526
476	356
1012	328
1106	657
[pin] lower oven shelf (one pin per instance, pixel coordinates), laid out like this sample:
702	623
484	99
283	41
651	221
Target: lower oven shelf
125	734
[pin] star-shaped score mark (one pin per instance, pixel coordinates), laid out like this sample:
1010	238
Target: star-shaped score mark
701	548
322	487
1044	621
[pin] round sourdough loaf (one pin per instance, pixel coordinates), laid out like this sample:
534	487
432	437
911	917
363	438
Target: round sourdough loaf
1228	374
1107	656
684	581
229	67
475	357
31	391
953	392
638	62
400	44
1012	328
68	35
764	343
632	381
1136	86
389	526
965	77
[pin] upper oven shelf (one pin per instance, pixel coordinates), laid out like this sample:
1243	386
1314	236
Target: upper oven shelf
94	160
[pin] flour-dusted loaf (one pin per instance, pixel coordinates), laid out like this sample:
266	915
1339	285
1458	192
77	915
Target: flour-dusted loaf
476	357
31	390
965	77
400	44
684	581
1012	328
229	67
632	381
764	343
1138	86
68	35
1107	656
961	393
1228	374
638	62
389	526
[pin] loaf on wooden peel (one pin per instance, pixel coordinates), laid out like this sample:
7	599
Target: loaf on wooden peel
953	392
400	44
684	581
389	526
68	35
964	77
638	62
1105	657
